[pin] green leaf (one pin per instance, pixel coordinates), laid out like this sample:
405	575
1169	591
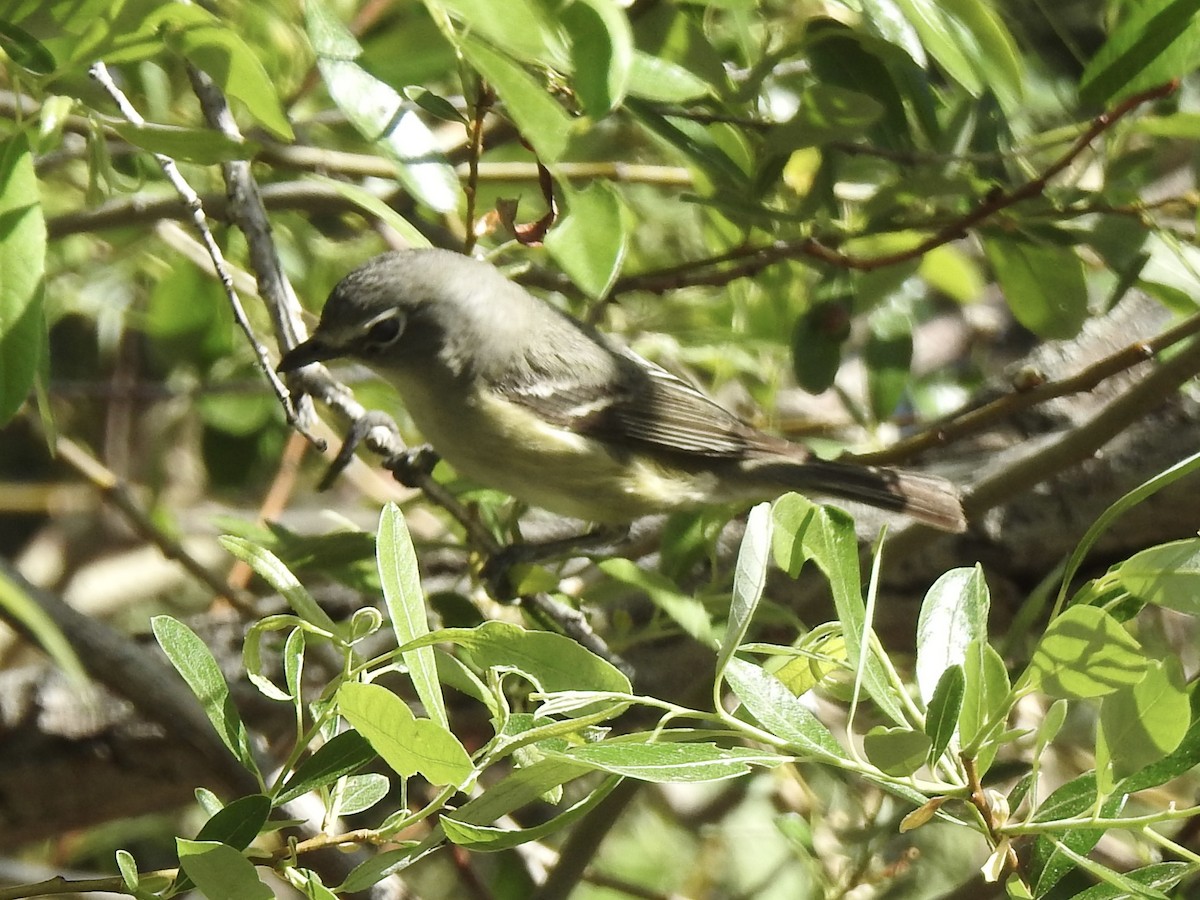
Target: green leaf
408	744
749	579
1157	877
220	871
779	711
1182	759
826	114
1144	722
199	145
375	206
1167	575
272	570
896	751
985	690
25	50
590	241
687	611
377	112
663	81
1075	798
520	28
554	662
601	53
817	340
406	606
20	607
791	515
1086	653
340	755
22	266
128	868
238	823
954	613
539	119
709	148
945	706
662	763
970	42
199	669
1157	41
361	792
490	839
831	543
888	357
1043	284
210	44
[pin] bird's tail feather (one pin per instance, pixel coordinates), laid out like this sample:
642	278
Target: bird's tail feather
927	498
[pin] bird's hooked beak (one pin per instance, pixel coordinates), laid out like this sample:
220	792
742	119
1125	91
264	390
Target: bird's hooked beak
313	350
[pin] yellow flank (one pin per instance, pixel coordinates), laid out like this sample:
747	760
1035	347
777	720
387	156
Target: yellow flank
508	448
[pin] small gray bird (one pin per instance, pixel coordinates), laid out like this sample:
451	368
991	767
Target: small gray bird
525	399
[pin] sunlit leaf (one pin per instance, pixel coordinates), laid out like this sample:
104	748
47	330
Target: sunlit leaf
407	744
1085	652
22	264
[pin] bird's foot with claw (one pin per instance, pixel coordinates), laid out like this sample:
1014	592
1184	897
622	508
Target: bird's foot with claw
411	465
501	567
374	429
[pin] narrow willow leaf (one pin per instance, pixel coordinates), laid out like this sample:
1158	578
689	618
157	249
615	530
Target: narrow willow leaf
361	792
749	579
406	606
779	711
601	53
552	661
1155	42
22	265
237	824
340	755
670	762
941	718
199	669
538	117
487	838
210	44
271	569
378	112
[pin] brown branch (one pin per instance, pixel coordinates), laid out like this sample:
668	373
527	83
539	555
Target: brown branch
483	102
1021	398
747	261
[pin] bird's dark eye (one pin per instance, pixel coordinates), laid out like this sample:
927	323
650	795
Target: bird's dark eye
383	333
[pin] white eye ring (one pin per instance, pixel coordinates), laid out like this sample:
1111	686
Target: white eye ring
384	330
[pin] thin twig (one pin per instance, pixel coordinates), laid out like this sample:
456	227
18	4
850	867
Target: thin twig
483	102
972	420
99	73
747	261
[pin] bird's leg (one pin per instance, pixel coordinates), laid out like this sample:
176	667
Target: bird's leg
497	569
375	428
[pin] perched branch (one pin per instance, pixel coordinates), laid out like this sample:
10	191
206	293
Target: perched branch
191	199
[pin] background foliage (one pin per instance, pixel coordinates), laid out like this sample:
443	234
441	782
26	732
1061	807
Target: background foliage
965	229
